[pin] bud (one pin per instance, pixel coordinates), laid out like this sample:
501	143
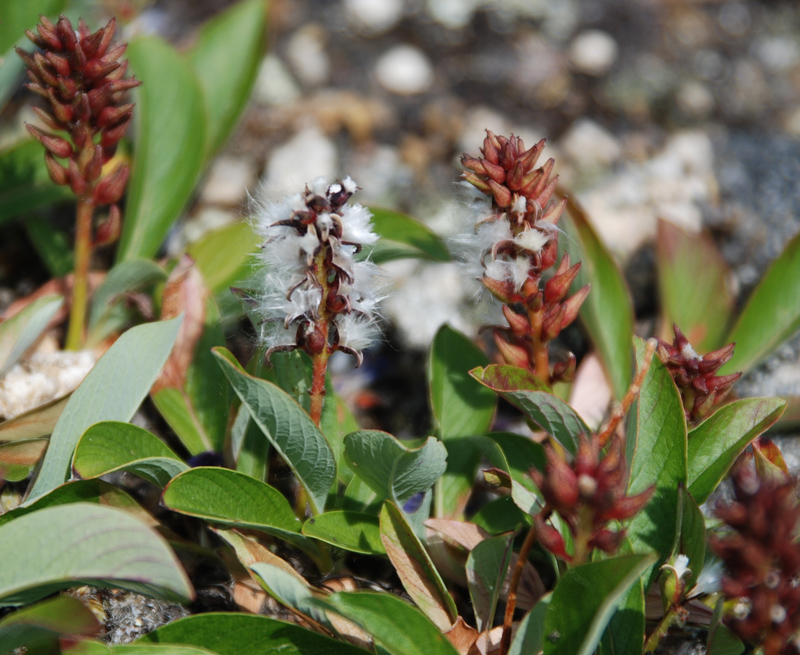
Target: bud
54	144
109	190
109	230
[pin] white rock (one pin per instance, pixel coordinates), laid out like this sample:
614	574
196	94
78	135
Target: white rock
275	84
593	52
42	378
404	70
672	185
453	14
228	181
307	56
374	16
695	99
590	145
307	155
779	54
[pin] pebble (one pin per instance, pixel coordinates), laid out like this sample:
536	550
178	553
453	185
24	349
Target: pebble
593	52
227	181
307	55
674	185
374	17
42	377
404	70
590	145
695	99
275	84
453	14
307	155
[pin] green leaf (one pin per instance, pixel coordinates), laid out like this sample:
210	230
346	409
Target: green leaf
548	411
25	184
288	427
112	446
107	313
22	330
461	407
225	256
530	634
38	627
19	15
397	627
391	470
516	455
197	397
80	543
353	531
693	536
721	641
52	245
225	58
499	515
417	572
246	634
229	498
112	391
403	237
715	444
657	437
607	312
170	145
772	313
37	422
701	311
291	590
575	628
625	632
17	458
487	566
83	491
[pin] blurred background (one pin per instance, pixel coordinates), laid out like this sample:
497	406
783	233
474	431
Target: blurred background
682	110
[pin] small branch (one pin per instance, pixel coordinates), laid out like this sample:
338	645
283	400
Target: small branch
513	585
633	392
317	393
80	282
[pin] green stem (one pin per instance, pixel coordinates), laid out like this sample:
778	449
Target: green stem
661	630
80	283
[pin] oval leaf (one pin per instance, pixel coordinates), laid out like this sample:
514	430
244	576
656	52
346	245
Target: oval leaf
21	331
169	149
17	458
246	634
391	470
225	58
416	570
396	626
461	407
230	498
607	312
657	438
548	411
530	634
353	531
487	566
113	446
288	427
224	256
57	547
715	444
404	237
772	313
39	626
575	628
112	391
